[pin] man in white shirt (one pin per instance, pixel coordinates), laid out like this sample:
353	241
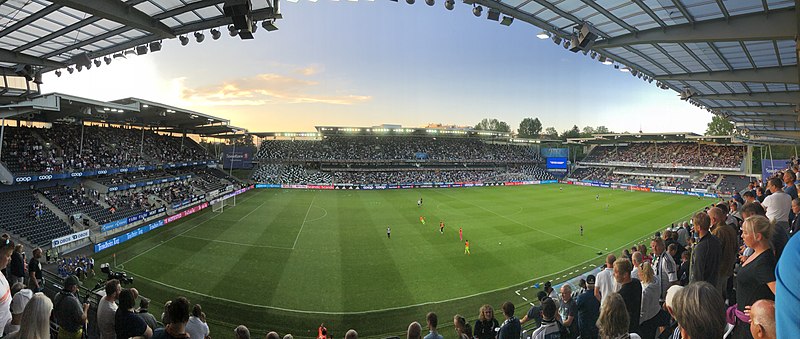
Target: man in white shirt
107	309
606	284
778	204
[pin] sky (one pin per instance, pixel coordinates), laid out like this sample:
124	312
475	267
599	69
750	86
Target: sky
366	63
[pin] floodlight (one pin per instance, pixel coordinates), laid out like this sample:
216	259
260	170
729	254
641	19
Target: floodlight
141	50
107	59
232	31
79	68
556	39
70	70
476	10
543	35
119	55
566	44
97	62
449	4
608	61
155	46
430	2
58	73
199	37
410	2
507	20
625	69
215	34
593	55
184	40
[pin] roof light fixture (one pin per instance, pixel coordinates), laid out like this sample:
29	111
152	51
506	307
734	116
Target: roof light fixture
184	40
232	31
58	73
269	25
507	20
543	35
155	46
430	2
476	10
199	37
70	70
215	34
107	59
449	4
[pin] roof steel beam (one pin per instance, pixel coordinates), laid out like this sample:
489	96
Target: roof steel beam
787	75
759	109
778	25
122	13
24	22
520	15
610	16
25	59
788	97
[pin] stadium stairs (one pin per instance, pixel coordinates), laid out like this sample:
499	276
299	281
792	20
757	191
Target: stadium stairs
57	211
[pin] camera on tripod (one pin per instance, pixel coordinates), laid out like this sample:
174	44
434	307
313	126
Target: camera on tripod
123	278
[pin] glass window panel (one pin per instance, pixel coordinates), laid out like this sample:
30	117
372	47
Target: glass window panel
667	11
172	23
149	8
209	12
187	17
776	4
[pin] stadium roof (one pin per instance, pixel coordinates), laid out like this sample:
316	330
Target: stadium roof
613	138
58	107
49	35
736	58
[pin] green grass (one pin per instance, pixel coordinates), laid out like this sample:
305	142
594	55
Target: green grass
288	260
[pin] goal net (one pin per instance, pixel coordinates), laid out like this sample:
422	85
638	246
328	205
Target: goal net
220	205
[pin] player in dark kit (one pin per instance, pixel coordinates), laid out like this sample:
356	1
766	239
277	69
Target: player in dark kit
388	232
581	230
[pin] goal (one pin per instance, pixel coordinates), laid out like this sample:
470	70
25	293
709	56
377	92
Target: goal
219	205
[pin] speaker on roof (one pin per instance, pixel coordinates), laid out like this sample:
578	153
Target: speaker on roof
239	11
586	36
24	71
82	60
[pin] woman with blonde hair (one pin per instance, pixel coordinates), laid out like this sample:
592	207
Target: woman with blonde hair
614	321
486	324
651	291
756	278
463	329
35	319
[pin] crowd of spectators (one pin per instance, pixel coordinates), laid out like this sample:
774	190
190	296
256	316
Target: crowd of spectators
670	154
59	148
81	266
395	148
297	174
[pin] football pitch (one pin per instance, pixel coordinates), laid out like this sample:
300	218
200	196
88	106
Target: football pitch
288	260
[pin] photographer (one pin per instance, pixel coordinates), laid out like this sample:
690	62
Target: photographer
67	309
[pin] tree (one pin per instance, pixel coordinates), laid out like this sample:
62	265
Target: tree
719	126
575	132
493	125
530	128
587	132
551	133
602	130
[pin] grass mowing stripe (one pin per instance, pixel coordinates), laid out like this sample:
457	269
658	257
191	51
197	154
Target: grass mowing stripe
304	221
528	226
234	243
179	234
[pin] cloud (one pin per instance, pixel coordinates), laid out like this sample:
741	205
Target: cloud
309	70
264	89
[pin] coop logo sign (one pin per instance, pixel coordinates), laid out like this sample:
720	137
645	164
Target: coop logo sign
23	179
70	238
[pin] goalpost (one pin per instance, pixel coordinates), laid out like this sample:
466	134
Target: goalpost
219	205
